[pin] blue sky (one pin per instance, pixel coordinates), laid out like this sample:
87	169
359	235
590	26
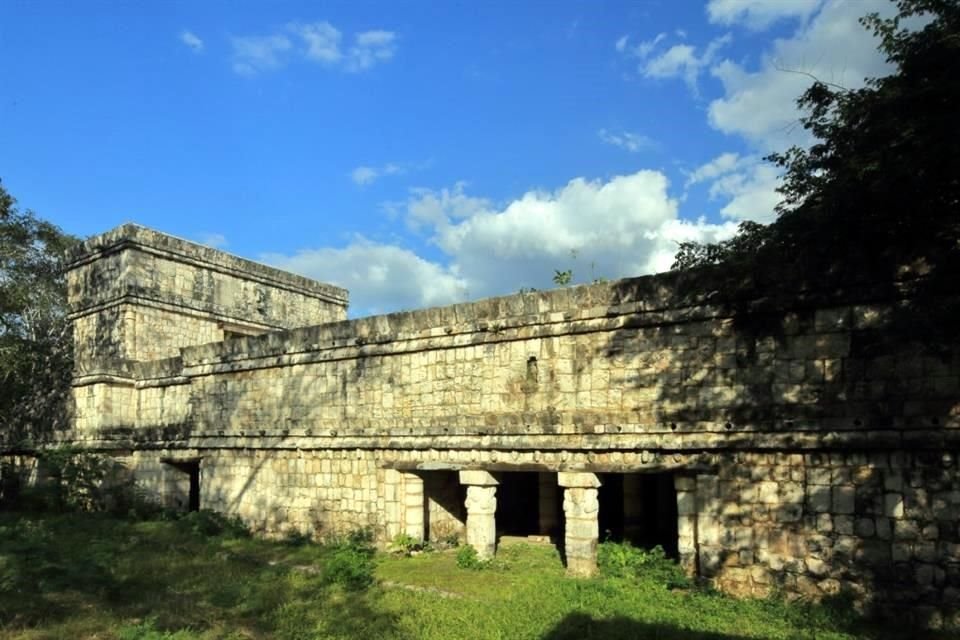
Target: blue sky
417	153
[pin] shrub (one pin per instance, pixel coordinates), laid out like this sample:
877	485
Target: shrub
622	560
210	523
147	630
297	538
404	543
467	558
350	560
77	480
407	544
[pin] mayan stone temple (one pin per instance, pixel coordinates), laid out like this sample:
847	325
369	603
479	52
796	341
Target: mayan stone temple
767	444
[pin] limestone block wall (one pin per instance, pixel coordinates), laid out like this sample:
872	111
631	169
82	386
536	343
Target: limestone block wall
615	376
813	445
141	295
876	524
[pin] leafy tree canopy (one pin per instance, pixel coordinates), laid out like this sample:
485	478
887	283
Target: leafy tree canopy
35	339
877	193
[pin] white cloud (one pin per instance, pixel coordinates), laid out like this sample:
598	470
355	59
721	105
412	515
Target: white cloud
632	142
317	42
365	175
724	163
369	48
752	192
760	104
322	41
748	183
214	240
191	40
678	61
625	226
759	14
438	208
641	50
253	54
380	277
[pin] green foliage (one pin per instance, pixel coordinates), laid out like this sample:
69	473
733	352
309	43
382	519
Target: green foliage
210	523
36	358
467	558
147	630
77	480
88	575
405	543
622	560
349	560
565	277
562	278
878	191
297	538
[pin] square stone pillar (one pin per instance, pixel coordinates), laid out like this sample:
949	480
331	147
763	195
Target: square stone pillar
686	488
481	511
548	491
581	509
413	506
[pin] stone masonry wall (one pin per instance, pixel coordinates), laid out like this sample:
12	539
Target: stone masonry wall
595	378
813	447
141	295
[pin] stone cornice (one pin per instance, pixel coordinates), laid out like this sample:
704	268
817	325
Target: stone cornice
582	444
132	236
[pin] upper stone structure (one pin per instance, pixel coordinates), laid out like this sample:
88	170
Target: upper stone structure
138	295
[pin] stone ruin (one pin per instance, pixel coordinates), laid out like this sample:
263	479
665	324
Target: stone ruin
766	443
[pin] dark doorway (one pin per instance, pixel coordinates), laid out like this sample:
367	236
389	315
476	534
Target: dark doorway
639	508
518	497
445	514
184	490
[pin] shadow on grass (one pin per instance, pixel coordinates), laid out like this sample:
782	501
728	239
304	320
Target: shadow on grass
107	574
580	626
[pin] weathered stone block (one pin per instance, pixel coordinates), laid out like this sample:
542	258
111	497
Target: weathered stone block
844	500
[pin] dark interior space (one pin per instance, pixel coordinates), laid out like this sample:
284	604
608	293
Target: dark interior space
639	508
448	498
518	504
191	468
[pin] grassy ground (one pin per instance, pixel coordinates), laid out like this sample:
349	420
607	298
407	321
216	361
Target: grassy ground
83	576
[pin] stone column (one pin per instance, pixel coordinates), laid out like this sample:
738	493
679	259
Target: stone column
392	502
413	506
633	516
686	488
582	529
481	511
547	507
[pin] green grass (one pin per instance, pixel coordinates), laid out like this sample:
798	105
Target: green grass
88	576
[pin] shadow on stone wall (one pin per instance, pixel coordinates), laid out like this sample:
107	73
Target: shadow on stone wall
779	372
273	512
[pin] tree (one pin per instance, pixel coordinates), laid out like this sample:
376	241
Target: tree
877	194
36	359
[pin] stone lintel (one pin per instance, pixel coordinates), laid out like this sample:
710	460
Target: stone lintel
478	479
577	479
103	378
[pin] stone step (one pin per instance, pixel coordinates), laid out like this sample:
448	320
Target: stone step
531	539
